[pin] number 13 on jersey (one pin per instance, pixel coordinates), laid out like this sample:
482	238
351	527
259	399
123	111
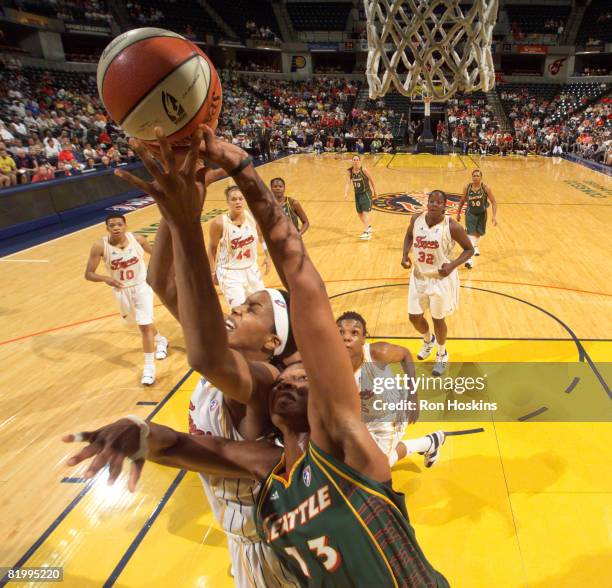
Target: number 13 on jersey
330	558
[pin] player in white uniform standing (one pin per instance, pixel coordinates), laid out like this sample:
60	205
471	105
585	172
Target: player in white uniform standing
434	283
233	250
372	360
123	253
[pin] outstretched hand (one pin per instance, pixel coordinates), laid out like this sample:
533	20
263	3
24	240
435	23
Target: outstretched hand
110	445
222	153
174	187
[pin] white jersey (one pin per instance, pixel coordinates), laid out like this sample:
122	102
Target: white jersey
238	244
254	564
388	427
366	376
125	265
232	500
432	247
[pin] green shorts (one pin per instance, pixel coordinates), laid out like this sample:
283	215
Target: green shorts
475	224
363	203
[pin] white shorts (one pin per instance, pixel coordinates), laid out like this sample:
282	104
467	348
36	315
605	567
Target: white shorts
439	295
254	565
387	435
236	285
136	303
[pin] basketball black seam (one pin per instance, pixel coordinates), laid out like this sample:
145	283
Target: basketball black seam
157	83
101	87
203	101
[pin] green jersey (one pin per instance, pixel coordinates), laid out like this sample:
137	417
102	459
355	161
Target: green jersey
290	212
335	528
361	183
477	201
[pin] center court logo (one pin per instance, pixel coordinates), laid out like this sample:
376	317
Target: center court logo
411	202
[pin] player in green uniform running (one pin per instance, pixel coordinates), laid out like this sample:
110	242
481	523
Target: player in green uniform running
363	184
326	506
291	207
477	196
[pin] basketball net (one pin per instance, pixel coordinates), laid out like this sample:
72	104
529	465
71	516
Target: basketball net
429	47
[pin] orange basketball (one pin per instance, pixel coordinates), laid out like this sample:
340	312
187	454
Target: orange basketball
151	78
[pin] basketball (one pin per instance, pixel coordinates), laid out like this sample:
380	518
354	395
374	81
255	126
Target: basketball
151	78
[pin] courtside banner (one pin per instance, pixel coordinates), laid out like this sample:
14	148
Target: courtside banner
503	392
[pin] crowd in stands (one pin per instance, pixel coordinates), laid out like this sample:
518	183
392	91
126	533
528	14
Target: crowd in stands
596	71
473	126
69	10
263	33
144	15
52	124
255	66
539	127
52	127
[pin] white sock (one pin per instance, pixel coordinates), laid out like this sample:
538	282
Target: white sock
442	349
158	337
149	358
427	337
473	239
419	445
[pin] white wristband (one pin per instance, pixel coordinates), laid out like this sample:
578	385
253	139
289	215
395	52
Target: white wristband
264	246
145	431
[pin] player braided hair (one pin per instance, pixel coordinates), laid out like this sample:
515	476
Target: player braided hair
351	315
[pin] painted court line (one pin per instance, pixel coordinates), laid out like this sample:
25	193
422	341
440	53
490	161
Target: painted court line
75	501
24	260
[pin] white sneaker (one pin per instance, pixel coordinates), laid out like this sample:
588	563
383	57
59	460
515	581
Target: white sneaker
426	349
369	229
441	364
430	457
148	375
476	251
365	236
469	263
161	348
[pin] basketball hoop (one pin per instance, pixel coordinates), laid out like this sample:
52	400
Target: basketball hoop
429	47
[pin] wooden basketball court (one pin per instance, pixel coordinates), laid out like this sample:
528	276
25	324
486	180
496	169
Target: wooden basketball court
519	504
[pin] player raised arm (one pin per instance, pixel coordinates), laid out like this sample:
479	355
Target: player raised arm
136	440
334	410
180	199
95	257
406	262
160	274
266	263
